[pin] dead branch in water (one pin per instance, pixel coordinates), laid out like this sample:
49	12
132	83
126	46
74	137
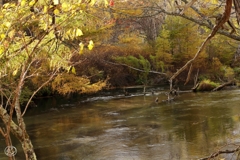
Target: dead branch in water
214	155
171	95
223	85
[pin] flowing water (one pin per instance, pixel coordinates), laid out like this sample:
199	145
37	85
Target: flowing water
193	126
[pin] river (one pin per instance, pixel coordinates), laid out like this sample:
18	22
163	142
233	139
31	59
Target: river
193	126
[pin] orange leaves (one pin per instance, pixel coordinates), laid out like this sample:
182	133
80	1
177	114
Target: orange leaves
111	3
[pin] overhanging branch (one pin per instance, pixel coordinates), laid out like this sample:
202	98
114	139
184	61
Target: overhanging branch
140	70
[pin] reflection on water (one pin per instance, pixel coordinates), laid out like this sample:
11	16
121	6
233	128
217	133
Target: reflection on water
191	127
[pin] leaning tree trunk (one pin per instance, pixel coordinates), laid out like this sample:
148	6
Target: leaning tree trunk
19	129
21	135
24	137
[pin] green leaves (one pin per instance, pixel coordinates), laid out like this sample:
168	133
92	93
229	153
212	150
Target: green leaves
141	64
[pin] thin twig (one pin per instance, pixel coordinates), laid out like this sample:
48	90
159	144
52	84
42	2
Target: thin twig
140	70
221	152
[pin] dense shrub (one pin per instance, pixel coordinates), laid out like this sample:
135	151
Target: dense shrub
206	85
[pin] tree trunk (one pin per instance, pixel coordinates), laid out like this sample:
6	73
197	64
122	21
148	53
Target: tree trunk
21	135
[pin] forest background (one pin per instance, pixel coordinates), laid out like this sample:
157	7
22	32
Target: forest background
65	47
145	44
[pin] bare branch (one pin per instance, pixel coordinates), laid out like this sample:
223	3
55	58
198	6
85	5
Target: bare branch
187	6
120	64
34	93
189	75
221	152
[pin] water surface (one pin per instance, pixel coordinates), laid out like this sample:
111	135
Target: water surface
126	128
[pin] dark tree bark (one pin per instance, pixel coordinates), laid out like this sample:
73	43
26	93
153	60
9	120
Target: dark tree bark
237	10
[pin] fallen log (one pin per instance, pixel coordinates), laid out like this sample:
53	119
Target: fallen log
223	85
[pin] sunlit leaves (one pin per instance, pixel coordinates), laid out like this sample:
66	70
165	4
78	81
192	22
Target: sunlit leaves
90	45
71	69
69	83
2	36
73	33
15	72
31	3
56	2
81	47
8	5
92	2
11	34
78	32
7	24
214	1
45	9
56	12
1	51
23	2
66	6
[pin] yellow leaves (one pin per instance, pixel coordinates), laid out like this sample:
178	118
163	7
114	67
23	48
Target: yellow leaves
72	69
106	3
214	1
45	9
70	83
9	5
66	6
81	47
1	51
23	2
15	72
79	32
2	36
92	2
90	45
6	5
11	34
73	33
31	3
7	24
56	2
56	11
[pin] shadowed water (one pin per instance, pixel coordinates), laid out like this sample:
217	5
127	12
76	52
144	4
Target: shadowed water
193	126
